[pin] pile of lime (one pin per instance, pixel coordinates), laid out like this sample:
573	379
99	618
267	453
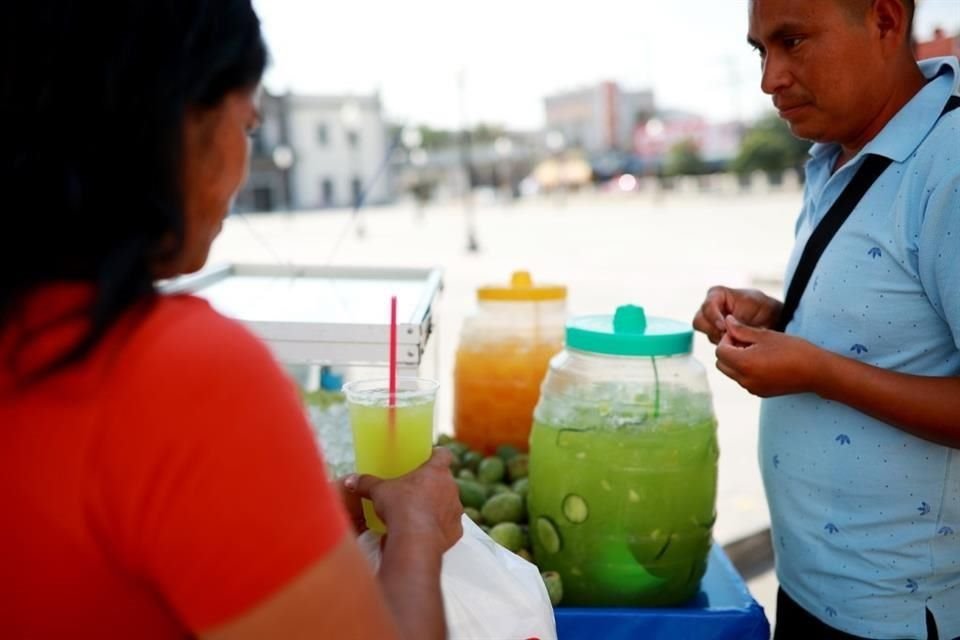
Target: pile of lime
493	492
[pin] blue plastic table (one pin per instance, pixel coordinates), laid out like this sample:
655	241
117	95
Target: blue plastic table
723	610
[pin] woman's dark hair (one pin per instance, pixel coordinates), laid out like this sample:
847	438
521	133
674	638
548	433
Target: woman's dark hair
93	95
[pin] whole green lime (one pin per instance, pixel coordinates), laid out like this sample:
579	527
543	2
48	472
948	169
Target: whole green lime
551	579
518	466
491	470
471	460
508	535
472	494
503	507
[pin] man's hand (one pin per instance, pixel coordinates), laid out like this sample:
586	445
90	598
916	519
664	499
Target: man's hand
749	306
767	363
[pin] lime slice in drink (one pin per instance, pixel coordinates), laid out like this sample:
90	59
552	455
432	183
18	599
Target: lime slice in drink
548	535
575	508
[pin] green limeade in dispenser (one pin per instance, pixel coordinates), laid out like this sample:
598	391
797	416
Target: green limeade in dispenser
623	463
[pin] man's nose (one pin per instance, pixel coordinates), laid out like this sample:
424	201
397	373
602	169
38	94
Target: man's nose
775	75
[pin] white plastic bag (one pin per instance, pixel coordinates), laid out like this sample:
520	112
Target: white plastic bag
489	593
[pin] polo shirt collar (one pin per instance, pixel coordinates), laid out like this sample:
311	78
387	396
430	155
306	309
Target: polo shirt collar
908	128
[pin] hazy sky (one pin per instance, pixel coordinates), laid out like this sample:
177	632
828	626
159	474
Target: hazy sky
693	53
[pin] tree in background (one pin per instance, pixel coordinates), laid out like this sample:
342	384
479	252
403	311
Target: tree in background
684	159
487	133
432	139
769	146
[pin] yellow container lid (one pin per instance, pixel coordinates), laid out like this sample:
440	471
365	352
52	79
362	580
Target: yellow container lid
522	289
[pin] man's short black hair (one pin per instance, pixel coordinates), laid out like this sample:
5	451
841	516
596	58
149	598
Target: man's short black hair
857	8
911	7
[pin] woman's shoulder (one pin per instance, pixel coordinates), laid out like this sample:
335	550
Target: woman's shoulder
185	329
193	377
203	432
181	345
188	318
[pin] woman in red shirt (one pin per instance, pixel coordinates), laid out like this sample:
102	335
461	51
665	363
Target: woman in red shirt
157	474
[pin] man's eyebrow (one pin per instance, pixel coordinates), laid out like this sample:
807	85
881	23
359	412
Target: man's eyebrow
785	29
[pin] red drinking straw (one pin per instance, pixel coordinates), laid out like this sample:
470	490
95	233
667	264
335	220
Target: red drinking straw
392	412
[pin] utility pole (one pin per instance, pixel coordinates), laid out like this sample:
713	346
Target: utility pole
473	245
734	82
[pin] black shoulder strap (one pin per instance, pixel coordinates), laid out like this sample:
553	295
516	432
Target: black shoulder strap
866	175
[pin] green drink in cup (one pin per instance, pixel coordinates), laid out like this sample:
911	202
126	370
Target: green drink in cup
390	441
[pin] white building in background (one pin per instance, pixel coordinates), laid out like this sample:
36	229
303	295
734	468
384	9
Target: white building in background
339	143
598	118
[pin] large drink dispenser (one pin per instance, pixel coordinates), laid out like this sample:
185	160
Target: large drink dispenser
504	351
623	463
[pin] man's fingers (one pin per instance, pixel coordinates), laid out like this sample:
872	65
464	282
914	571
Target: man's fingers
721	301
729	353
701	324
709	320
728	371
742	333
713	311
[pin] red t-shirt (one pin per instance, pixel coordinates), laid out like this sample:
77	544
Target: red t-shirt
163	486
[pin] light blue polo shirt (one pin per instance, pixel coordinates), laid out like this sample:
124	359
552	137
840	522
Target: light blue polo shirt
865	517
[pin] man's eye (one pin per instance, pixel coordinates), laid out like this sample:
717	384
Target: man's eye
792	42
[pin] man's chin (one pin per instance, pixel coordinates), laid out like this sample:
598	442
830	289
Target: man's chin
806	131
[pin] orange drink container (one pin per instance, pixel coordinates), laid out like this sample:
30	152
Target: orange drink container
504	351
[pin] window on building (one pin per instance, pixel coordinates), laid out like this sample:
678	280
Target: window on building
258	146
353	139
356	186
322	134
262	199
326	192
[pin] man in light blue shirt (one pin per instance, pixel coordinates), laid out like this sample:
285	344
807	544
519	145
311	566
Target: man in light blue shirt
860	427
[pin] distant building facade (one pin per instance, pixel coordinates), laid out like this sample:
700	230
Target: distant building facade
339	143
314	152
598	118
446	172
940	45
268	186
716	143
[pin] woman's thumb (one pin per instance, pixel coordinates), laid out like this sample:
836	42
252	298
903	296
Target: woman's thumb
361	484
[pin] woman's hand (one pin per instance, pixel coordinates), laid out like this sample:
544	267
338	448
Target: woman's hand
351	503
423	503
422	512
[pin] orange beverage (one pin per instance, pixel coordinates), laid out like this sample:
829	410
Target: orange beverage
503	355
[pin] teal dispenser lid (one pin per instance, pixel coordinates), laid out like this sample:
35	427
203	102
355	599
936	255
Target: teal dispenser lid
629	332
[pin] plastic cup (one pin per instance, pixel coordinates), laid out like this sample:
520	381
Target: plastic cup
389	447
